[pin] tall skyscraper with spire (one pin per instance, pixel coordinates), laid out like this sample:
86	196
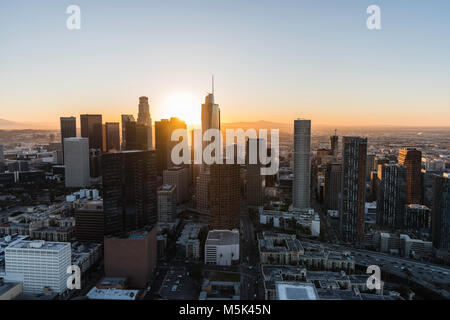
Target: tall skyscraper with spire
145	118
210	120
210	114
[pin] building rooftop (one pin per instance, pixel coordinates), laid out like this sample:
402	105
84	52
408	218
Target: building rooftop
167	187
222	237
296	291
38	245
112	294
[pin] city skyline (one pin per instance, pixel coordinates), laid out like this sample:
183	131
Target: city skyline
235	151
315	60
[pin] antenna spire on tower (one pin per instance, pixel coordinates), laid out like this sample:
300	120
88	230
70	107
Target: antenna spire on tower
212	82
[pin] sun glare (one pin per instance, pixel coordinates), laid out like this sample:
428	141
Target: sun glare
184	106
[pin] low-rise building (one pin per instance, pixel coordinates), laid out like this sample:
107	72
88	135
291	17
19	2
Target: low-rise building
307	220
285	249
222	247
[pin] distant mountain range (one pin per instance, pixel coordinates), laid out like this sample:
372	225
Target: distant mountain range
260	124
12	125
257	125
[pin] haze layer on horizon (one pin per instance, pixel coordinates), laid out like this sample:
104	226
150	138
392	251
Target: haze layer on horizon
272	60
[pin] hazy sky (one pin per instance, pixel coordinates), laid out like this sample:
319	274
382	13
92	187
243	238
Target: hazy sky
272	60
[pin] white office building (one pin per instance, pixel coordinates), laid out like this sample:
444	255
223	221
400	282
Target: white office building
302	149
76	160
222	247
38	264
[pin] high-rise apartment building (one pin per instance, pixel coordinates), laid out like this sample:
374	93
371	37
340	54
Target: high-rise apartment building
77	172
68	127
333	176
391	196
39	264
91	128
224	196
352	202
417	217
145	119
440	228
302	165
129	190
411	158
112	136
167	203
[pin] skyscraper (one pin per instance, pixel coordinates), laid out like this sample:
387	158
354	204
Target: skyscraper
255	181
163	144
162	129
77	162
411	158
174	124
391	199
68	127
145	118
136	136
112	132
333	177
334	141
210	115
210	120
302	166
440	228
351	210
167	203
125	119
2	155
91	128
224	196
129	190
178	176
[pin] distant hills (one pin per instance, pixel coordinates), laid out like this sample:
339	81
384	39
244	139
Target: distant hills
261	124
257	125
12	125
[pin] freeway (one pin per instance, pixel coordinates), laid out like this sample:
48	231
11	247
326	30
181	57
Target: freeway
433	276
